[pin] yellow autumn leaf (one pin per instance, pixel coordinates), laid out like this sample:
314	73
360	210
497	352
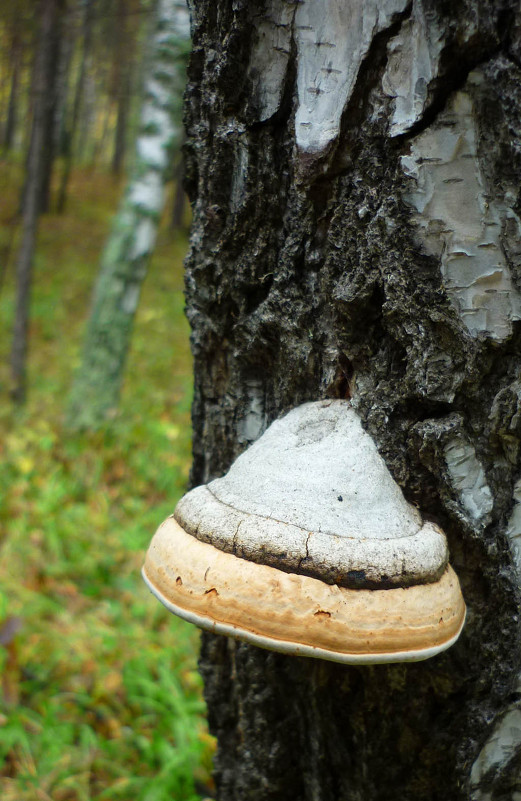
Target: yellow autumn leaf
25	464
172	431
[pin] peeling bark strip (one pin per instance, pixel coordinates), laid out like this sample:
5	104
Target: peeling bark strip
499	756
514	526
376	253
95	393
412	65
270	55
468	479
332	38
460	221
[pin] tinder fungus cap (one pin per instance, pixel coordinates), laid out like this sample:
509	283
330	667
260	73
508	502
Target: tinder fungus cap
308	546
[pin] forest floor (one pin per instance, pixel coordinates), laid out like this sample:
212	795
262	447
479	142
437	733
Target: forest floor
100	697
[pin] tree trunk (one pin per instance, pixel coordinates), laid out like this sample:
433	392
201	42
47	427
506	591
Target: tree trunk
354	170
122	78
87	143
43	87
71	129
95	392
12	107
49	137
44	115
120	135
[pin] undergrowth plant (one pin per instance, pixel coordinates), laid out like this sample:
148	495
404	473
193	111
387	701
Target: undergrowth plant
100	695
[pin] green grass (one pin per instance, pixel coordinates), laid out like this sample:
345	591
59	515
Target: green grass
100	695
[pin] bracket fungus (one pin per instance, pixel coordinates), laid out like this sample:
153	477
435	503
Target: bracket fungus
308	546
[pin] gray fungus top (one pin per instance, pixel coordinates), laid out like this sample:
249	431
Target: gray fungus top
314	496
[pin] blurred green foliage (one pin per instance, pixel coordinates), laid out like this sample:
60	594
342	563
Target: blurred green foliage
100	697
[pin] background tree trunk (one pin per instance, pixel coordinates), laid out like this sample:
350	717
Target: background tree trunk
95	392
36	172
120	135
43	126
12	108
354	172
71	128
123	67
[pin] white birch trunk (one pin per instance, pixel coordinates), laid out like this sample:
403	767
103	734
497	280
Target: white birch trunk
123	268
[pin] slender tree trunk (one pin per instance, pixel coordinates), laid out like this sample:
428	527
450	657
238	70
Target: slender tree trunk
46	114
123	72
76	109
95	392
48	151
354	171
86	141
43	87
67	48
49	135
12	108
120	136
100	144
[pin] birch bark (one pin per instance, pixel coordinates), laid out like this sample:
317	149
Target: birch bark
95	392
354	170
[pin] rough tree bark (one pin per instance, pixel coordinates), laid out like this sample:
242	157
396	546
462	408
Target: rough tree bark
95	392
354	172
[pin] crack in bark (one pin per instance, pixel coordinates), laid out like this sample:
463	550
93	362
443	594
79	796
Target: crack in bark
374	64
447	85
311	164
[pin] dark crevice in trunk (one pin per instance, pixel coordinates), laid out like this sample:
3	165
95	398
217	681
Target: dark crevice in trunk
449	82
